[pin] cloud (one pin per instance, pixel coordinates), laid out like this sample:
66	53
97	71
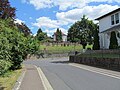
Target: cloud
92	12
46	22
51	31
69	17
19	21
64	4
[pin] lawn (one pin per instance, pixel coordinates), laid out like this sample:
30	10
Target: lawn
8	80
63	49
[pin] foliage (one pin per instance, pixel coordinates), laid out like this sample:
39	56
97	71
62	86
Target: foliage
15	46
23	28
82	31
6	11
41	36
113	41
96	45
58	34
4	66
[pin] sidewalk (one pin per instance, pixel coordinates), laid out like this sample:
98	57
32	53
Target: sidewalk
31	80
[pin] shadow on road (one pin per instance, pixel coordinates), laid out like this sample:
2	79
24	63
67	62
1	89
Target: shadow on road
63	62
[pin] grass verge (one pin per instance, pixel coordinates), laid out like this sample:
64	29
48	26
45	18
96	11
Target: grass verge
8	80
63	49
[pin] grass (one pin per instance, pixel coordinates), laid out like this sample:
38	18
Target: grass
8	80
62	49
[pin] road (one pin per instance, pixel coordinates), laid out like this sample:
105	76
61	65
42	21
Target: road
63	76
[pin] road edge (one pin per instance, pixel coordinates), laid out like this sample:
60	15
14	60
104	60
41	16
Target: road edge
96	71
19	80
45	82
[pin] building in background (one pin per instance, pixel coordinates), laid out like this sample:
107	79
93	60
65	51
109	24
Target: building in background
64	37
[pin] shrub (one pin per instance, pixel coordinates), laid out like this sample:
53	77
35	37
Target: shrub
96	45
4	66
113	41
14	45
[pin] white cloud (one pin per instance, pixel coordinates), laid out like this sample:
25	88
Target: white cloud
64	4
19	21
69	17
46	22
92	12
51	31
39	4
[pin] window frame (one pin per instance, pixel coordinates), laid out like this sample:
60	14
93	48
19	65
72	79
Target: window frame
112	19
117	20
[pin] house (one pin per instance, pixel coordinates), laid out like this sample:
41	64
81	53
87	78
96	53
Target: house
108	23
64	37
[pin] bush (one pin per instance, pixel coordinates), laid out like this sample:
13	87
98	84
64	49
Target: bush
14	45
113	41
4	66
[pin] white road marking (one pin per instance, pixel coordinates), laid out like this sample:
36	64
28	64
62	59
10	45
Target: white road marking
99	72
44	80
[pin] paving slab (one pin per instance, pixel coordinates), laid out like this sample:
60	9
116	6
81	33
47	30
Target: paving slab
31	80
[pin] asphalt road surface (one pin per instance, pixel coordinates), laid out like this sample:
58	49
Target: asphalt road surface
63	76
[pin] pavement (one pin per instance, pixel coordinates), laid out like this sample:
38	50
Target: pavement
59	74
31	79
64	76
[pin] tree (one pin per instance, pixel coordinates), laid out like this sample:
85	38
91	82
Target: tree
6	11
82	31
58	35
14	45
24	28
41	36
96	44
113	41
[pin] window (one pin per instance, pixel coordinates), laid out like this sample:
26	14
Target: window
112	20
117	18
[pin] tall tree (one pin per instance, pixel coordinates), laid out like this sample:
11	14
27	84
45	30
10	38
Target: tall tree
6	11
41	35
96	45
82	31
58	35
113	41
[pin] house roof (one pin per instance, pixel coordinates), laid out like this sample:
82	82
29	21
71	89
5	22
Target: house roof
62	34
112	28
108	14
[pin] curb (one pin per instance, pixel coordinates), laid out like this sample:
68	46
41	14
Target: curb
100	71
19	81
44	80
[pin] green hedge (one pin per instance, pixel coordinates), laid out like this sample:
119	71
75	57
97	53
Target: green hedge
4	66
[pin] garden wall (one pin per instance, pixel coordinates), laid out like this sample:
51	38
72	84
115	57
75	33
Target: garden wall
108	63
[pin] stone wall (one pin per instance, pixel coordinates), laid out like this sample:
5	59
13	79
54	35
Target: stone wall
108	63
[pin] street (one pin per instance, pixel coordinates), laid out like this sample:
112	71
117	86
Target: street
62	76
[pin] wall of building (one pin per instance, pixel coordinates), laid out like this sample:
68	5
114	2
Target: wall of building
105	23
64	38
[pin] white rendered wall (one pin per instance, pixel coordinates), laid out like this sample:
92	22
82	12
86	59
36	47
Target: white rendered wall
105	23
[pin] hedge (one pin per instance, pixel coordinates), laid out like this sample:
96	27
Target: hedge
4	66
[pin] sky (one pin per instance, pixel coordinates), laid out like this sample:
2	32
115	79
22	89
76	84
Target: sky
52	14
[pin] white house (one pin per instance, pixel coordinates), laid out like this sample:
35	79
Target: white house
64	37
108	23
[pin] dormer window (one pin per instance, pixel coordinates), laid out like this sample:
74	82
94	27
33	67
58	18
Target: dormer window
112	20
117	18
